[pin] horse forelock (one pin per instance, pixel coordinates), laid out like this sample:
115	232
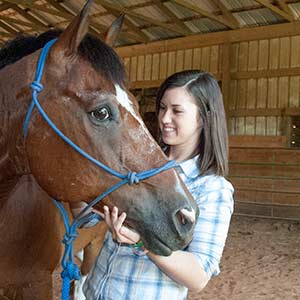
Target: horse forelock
103	59
23	46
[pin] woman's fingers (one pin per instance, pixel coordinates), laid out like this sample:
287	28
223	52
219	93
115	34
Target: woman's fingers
115	223
114	215
119	222
107	217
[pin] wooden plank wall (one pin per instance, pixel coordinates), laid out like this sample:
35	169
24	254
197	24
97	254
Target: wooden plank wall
259	71
149	70
264	86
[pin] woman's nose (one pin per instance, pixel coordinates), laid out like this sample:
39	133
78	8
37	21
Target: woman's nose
166	117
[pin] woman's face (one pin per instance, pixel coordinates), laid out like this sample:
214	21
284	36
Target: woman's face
179	118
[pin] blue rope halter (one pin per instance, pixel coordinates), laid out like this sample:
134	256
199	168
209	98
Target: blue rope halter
70	269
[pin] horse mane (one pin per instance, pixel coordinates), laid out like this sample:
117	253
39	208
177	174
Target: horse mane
102	57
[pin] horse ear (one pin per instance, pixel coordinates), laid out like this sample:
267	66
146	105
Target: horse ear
111	35
71	37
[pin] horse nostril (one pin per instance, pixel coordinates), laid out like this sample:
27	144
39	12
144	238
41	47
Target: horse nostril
184	221
185	216
181	218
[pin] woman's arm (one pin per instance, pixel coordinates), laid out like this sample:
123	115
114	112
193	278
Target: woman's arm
183	267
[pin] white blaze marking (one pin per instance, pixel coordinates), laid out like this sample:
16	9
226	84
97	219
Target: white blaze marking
123	99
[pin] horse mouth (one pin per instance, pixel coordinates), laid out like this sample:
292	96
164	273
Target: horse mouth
158	247
154	245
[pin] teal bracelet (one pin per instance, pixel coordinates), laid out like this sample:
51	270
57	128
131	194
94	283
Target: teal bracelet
137	245
138	249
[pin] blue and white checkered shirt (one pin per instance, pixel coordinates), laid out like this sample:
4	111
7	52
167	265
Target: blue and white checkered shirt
119	274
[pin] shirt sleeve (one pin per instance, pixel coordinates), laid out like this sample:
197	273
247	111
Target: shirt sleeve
216	208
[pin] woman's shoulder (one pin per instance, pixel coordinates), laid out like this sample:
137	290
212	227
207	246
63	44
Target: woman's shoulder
214	182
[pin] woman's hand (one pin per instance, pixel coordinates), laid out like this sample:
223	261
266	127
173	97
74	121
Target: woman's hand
120	233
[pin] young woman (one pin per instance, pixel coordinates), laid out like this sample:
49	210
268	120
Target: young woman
193	132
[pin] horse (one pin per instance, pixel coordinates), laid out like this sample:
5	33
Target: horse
86	96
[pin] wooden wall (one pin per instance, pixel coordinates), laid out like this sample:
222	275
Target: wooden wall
259	72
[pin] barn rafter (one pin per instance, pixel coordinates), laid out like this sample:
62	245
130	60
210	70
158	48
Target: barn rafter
172	16
203	12
226	13
277	10
146	21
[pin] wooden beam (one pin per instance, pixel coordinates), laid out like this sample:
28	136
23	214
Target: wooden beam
4	6
247	141
31	18
139	16
227	14
6	34
69	15
138	34
264	112
12	29
256	112
95	28
30	5
266	73
226	74
283	5
141	84
276	10
291	111
203	12
214	38
10	20
172	17
145	84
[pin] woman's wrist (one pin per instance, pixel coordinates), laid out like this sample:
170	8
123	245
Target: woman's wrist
139	248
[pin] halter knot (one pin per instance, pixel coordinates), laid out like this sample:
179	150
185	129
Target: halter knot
132	178
36	86
71	271
70	237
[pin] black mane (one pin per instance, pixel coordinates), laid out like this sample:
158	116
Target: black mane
103	58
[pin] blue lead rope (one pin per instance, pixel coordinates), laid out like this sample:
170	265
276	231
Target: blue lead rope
70	269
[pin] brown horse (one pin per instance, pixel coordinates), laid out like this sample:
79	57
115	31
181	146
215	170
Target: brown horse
85	96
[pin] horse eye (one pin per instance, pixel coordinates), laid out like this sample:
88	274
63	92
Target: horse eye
101	114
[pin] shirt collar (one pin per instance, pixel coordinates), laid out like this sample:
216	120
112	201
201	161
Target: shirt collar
189	167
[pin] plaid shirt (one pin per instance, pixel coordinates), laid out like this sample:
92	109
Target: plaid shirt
120	274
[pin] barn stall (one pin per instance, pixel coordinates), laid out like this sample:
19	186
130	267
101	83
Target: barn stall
253	49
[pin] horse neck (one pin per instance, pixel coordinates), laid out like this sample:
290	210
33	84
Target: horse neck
14	103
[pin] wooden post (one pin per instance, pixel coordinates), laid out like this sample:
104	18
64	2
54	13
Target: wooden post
226	75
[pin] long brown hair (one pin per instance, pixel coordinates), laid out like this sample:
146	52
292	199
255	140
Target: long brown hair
213	144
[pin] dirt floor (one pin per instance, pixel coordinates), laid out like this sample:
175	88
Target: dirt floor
261	261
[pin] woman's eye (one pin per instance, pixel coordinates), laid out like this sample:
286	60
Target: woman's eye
101	114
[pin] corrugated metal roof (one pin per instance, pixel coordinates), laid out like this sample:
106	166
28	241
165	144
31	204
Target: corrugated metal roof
258	17
239	4
295	8
205	25
180	11
146	20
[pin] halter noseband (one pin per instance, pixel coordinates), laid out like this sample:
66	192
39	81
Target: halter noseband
70	270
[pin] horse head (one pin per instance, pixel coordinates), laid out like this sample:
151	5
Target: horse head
85	96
